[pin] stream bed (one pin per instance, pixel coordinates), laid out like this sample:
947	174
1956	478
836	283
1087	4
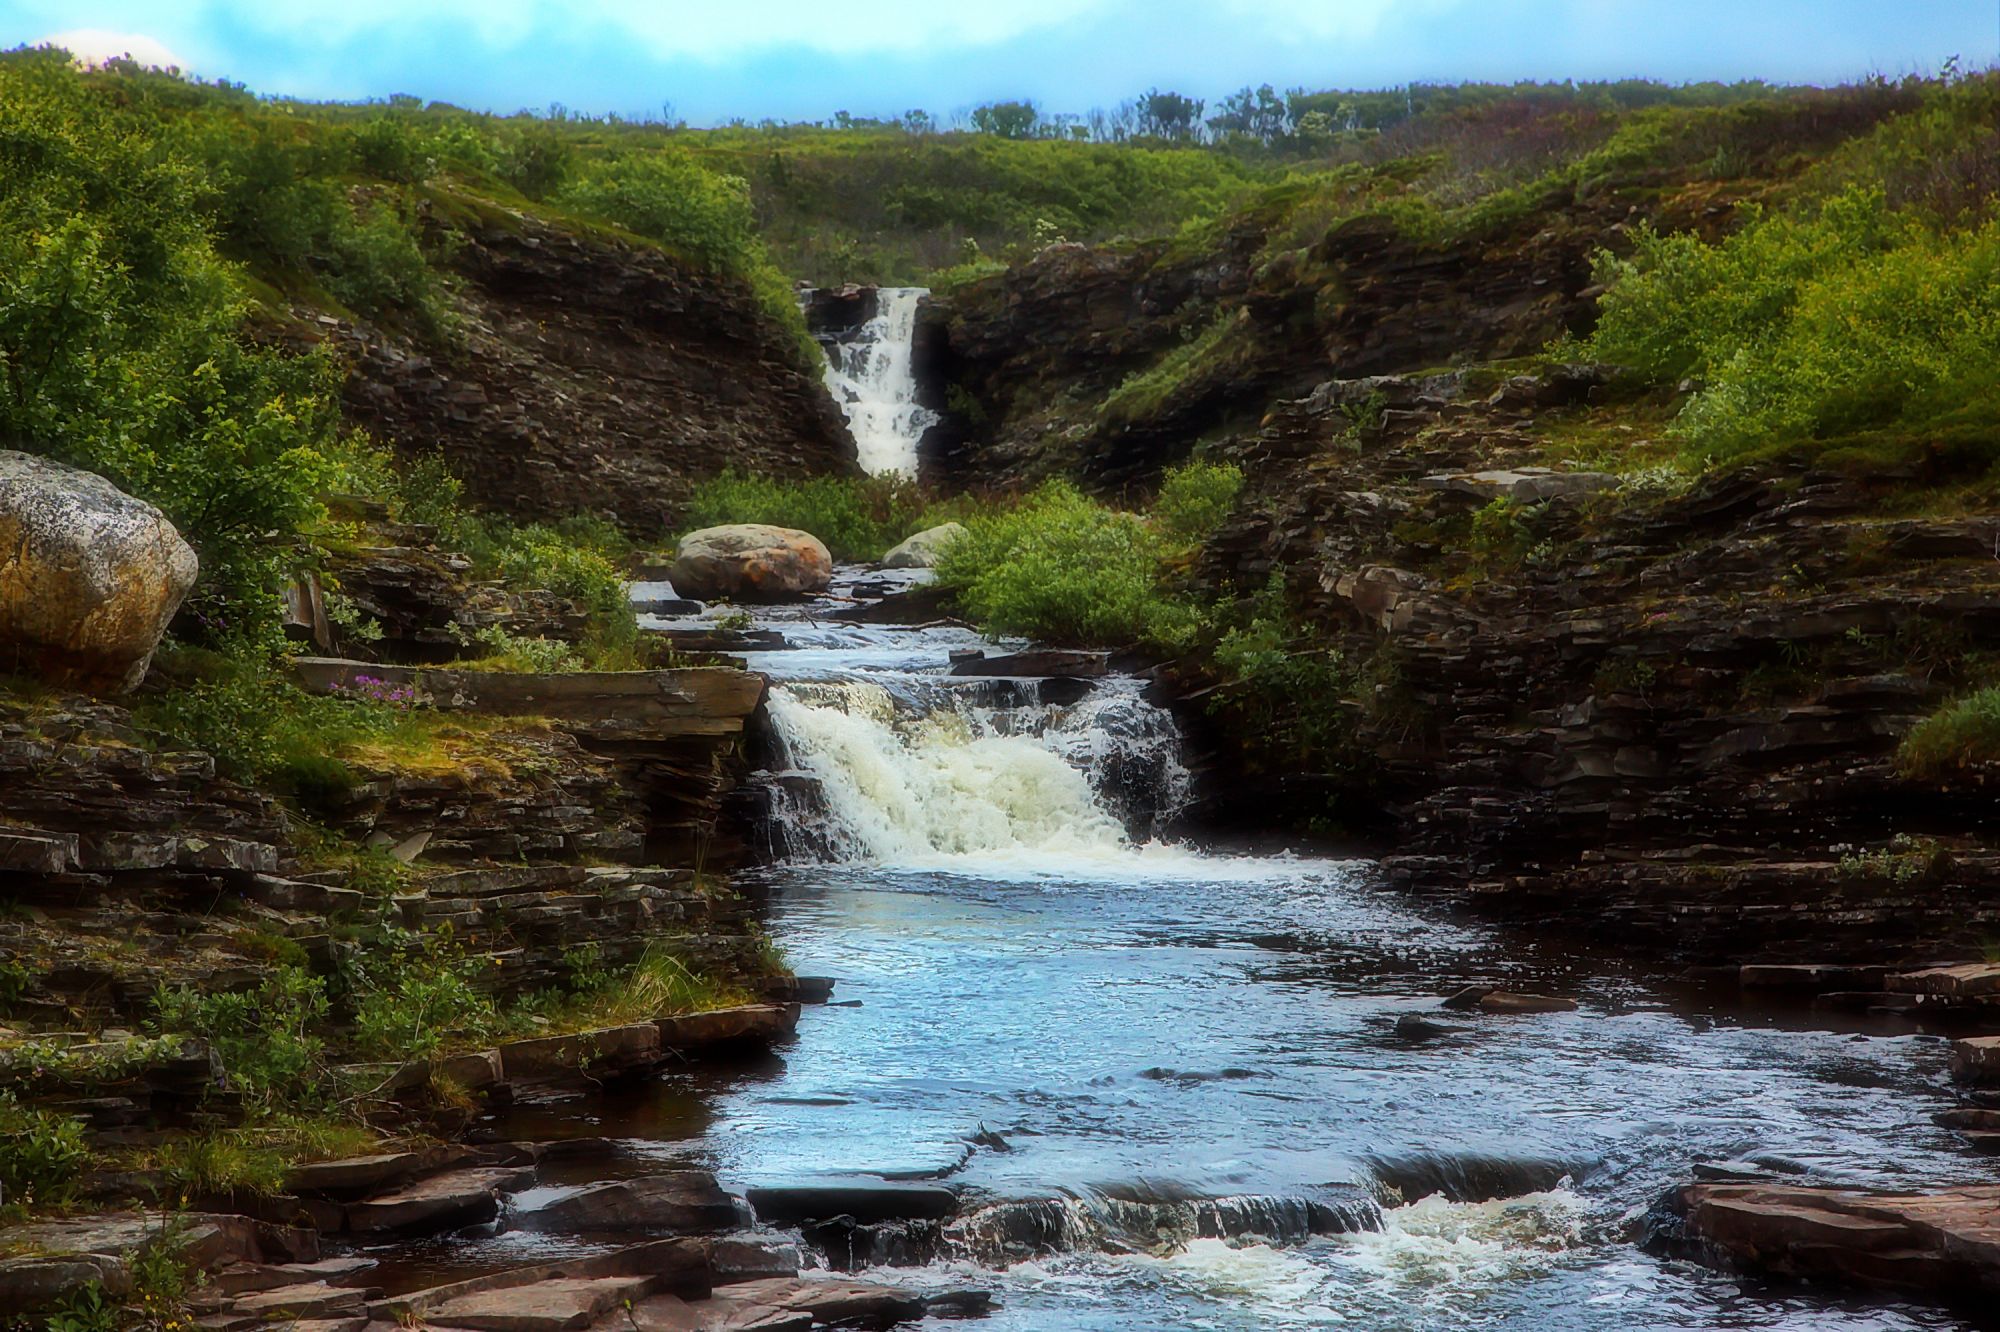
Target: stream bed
1041	1000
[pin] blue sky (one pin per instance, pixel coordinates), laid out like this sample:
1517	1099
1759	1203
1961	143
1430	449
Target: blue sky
804	59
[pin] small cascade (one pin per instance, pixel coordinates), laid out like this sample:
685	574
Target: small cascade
870	374
934	769
1000	1235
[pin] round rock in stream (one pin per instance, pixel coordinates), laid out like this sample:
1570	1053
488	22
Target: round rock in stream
751	562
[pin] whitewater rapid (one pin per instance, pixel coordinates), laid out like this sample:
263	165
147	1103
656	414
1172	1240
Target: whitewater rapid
871	374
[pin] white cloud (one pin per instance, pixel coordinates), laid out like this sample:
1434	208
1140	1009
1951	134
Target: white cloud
702	29
94	46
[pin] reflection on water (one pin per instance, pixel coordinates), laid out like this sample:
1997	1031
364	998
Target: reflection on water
1154	1035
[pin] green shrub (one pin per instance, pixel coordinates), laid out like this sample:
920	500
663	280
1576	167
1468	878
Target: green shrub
258	726
1288	690
42	1155
859	518
119	336
1812	327
1195	499
85	1309
703	215
267	1038
412	1005
1965	731
577	560
1062	567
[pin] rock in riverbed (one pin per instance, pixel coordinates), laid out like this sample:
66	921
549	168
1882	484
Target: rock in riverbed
923	550
751	562
89	576
1485	999
682	1201
1945	1244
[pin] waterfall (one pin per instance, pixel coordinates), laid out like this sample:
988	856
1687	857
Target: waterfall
935	773
870	375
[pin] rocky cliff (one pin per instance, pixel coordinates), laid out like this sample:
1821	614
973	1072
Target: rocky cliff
1587	692
591	374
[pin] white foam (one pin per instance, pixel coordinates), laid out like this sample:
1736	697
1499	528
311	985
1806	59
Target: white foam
948	793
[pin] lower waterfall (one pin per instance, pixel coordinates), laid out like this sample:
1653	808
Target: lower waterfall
929	772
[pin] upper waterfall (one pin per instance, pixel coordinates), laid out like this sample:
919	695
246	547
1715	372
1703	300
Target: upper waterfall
870	375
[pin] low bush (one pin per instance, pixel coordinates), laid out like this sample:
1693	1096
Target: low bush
1060	566
42	1155
260	728
269	1039
1288	689
417	1003
1144	392
1195	499
1964	731
1810	328
697	213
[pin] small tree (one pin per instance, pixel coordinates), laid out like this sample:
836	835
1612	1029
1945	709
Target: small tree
1170	116
1006	120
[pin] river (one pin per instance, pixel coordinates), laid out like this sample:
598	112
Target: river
1051	1003
1169	1085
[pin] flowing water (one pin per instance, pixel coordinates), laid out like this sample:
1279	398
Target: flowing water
870	374
1168	1082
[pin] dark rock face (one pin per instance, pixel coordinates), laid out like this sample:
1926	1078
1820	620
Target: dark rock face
1072	323
833	314
595	377
1671	719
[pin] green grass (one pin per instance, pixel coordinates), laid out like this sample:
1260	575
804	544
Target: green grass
1964	732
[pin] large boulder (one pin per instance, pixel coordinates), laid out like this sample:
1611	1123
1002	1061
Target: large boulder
89	576
922	550
751	562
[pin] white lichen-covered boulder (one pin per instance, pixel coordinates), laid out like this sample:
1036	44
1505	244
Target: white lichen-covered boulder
751	562
89	576
923	550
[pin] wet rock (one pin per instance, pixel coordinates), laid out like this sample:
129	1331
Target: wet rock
1505	1001
673	1266
751	562
314	1300
556	1305
442	1202
923	550
1946	1244
747	1023
1415	1027
839	1303
1808	976
863	1200
1486	999
89	576
1963	981
357	1175
604	1050
1074	662
1976	1060
800	989
1471	1177
685	1201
